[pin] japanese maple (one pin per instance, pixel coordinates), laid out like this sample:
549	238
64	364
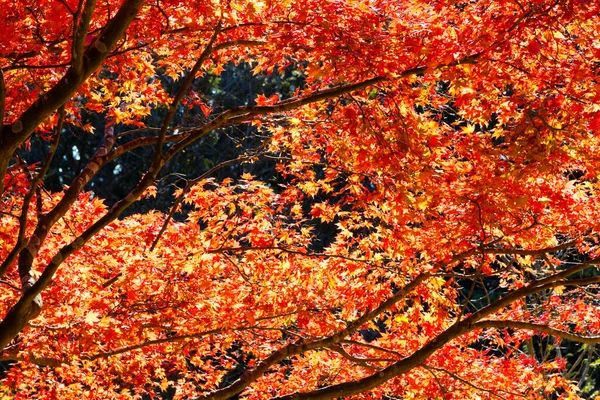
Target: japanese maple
451	147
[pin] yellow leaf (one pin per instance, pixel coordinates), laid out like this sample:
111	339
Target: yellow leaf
468	129
558	290
91	318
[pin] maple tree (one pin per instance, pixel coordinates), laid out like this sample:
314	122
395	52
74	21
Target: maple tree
450	146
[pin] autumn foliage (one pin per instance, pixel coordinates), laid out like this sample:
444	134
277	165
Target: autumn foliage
451	147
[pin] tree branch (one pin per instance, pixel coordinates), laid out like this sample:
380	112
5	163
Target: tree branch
188	186
363	362
240	42
41	361
286	250
466	382
21	129
524	252
535	286
300	347
20	244
185	86
81	25
30	303
2	103
419	356
530	326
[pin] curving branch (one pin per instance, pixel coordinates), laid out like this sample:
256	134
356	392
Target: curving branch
233	43
363	362
489	249
243	114
49	219
535	286
30	303
471	384
13	135
301	346
139	142
288	251
420	356
126	349
523	252
21	242
41	361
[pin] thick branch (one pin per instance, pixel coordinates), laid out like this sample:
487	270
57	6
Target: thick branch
19	131
48	220
30	303
20	244
300	347
421	355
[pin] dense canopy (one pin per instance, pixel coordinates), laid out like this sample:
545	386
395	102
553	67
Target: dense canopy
424	223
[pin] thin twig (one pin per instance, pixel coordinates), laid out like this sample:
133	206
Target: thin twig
188	186
468	383
531	326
